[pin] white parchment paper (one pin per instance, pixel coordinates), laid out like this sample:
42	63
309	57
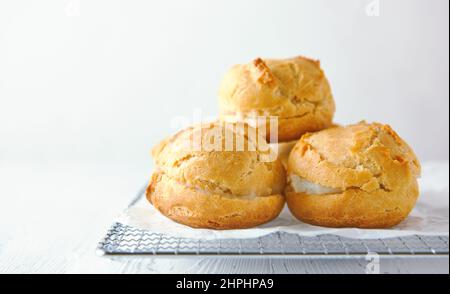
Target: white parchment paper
430	217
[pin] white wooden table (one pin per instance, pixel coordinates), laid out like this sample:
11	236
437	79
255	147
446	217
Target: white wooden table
53	215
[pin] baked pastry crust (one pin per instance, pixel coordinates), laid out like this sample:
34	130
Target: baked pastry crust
216	189
295	90
284	148
375	170
203	209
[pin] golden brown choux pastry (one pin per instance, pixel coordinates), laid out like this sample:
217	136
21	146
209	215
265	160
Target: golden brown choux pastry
362	176
294	90
214	188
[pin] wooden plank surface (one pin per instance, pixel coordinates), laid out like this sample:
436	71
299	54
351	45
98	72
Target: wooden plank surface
54	215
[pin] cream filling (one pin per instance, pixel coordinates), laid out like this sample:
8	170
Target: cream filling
250	119
216	191
300	185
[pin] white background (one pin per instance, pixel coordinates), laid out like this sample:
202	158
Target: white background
87	87
104	82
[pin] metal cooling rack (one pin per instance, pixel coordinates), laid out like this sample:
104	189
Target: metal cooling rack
121	239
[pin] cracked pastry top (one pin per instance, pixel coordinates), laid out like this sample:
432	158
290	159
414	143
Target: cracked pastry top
294	90
362	175
219	188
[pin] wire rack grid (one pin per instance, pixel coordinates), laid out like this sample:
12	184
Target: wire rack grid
125	240
122	239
